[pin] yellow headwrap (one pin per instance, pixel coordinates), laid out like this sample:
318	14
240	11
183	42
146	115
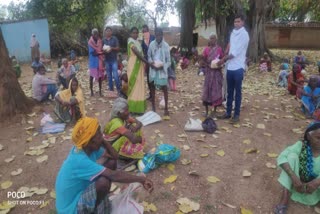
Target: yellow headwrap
84	130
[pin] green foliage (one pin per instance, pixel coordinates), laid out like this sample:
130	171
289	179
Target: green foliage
3	12
298	10
133	15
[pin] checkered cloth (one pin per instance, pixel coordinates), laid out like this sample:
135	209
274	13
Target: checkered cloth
87	202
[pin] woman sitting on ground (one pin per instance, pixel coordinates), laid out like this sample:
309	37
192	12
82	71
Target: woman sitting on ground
300	165
283	76
295	80
70	103
310	96
124	132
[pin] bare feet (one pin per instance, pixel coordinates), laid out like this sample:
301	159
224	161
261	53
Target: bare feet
92	94
166	112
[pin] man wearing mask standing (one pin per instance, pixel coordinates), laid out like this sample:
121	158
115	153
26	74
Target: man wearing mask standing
147	39
111	48
239	41
160	60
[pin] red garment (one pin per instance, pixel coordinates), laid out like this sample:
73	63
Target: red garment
299	80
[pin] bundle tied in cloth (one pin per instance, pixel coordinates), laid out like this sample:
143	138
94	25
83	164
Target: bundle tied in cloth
84	130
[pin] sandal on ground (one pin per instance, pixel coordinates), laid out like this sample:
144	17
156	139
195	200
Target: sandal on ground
281	209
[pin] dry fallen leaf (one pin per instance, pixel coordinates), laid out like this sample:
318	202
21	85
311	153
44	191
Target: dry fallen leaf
170	179
1	147
245	211
270	165
187	206
46	203
8	160
157	131
171	167
185	161
246	141
220	153
261	126
204	155
42	158
272	155
5	206
213	179
246	173
16	172
186	147
149	207
267	134
53	193
237	125
6	184
39	191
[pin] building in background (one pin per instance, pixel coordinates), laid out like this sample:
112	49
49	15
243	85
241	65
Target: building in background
17	36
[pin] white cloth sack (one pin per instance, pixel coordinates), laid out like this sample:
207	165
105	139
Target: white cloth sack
193	125
214	63
124	203
149	118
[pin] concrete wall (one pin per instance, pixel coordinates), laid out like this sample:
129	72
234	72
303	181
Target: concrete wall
204	33
293	37
17	37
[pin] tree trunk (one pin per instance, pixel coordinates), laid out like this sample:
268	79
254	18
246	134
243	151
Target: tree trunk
259	12
12	98
187	25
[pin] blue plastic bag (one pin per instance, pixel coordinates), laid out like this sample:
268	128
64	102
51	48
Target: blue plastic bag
164	153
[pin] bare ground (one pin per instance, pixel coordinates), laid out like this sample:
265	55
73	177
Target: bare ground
263	103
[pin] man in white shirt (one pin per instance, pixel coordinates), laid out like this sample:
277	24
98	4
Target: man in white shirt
239	41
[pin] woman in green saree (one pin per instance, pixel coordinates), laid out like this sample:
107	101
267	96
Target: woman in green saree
135	71
124	132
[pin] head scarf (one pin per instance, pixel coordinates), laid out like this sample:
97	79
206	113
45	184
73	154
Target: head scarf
66	95
118	106
306	171
33	41
84	130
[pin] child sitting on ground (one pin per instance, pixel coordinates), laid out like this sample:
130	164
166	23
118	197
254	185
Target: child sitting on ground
283	76
184	62
265	63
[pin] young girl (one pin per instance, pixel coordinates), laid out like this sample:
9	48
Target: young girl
172	71
300	164
283	76
265	63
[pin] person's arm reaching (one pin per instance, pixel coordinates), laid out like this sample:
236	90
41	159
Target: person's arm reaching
122	177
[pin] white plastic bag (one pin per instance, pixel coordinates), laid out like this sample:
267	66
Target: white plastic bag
214	63
149	118
193	125
124	203
46	118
